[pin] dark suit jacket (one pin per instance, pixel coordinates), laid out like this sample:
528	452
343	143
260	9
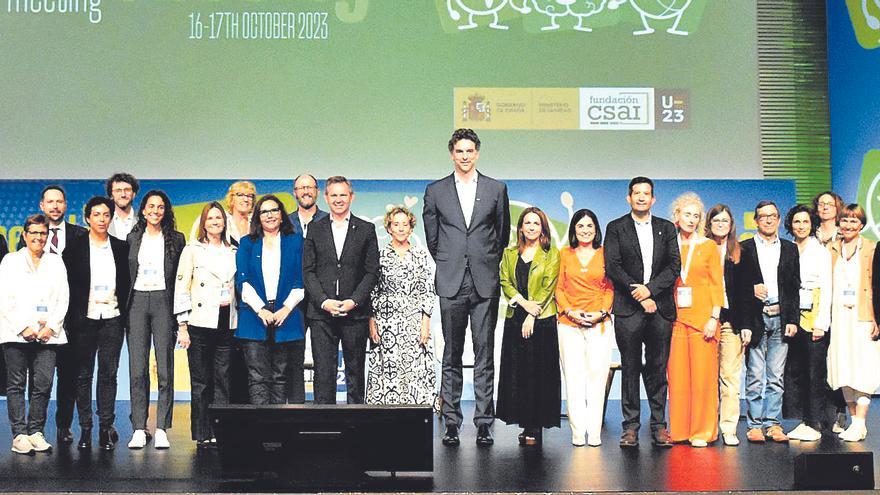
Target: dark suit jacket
454	245
749	307
623	265
249	264
356	272
174	245
732	313
79	276
294	219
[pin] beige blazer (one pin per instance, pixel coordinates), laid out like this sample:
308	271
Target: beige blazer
866	291
200	279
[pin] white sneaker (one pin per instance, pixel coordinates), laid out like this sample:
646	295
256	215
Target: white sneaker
798	432
730	439
138	439
38	441
160	440
809	434
594	440
22	445
837	428
855	433
699	443
578	441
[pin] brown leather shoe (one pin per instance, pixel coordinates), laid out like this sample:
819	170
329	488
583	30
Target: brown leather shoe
661	438
630	438
755	435
776	434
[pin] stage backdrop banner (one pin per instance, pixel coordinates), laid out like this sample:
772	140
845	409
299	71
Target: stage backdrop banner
853	68
372	88
558	198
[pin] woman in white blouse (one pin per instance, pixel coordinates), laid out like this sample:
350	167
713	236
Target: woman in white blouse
32	310
204	302
805	370
154	252
854	353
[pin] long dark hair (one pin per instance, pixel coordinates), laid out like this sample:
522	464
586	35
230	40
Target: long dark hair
733	248
257	227
168	224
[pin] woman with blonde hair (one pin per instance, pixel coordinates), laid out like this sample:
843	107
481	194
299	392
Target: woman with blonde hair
693	355
240	199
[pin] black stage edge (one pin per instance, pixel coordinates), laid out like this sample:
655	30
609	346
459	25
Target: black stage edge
505	467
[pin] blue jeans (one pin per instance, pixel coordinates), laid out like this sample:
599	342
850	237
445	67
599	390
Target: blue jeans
765	365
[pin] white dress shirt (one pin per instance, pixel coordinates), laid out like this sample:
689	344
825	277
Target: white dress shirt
644	231
340	232
151	264
60	231
121	226
768	260
103	303
467	197
32	294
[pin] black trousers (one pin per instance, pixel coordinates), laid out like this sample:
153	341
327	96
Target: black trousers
268	365
296	382
455	312
101	339
654	333
806	390
39	360
326	336
209	357
67	366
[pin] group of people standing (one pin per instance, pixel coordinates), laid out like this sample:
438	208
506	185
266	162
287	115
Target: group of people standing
240	295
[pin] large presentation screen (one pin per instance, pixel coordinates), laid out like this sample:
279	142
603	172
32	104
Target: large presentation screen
372	88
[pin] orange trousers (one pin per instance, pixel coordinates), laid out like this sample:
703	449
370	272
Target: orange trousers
693	385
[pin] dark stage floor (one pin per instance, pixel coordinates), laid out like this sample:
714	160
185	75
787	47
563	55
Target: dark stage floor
505	467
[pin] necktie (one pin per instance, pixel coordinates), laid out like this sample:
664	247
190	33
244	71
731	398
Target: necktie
53	244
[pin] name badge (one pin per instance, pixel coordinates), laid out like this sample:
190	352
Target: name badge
684	297
42	310
848	297
806	298
225	296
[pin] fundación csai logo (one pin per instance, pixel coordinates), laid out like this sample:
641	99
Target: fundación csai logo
865	17
616	109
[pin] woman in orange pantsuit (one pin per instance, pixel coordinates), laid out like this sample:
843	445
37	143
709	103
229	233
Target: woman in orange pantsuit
693	356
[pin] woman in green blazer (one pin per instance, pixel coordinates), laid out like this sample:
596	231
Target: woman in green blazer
529	383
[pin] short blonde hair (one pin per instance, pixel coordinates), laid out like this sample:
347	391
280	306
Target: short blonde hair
389	216
687	199
244	186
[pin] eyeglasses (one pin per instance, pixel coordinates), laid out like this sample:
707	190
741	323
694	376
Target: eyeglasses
720	220
121	190
771	216
826	204
39	233
305	188
270	212
245	195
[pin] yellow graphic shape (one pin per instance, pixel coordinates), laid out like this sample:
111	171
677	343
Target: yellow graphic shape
517	108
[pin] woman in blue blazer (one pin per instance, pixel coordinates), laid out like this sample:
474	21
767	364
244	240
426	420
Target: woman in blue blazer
270	325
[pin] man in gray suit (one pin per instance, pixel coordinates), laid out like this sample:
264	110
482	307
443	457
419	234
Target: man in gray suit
467	226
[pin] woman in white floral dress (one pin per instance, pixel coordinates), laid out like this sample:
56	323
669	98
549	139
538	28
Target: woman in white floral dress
402	367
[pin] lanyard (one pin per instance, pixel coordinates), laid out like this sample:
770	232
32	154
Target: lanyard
687	265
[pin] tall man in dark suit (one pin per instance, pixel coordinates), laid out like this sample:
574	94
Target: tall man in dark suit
99	284
643	262
768	294
340	269
306	192
467	227
53	204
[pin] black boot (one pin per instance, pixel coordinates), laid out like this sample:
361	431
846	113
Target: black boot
85	439
108	438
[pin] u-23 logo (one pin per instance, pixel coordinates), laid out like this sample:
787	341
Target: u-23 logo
671	109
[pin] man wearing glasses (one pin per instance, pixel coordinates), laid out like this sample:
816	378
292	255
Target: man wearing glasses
122	188
305	189
769	280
